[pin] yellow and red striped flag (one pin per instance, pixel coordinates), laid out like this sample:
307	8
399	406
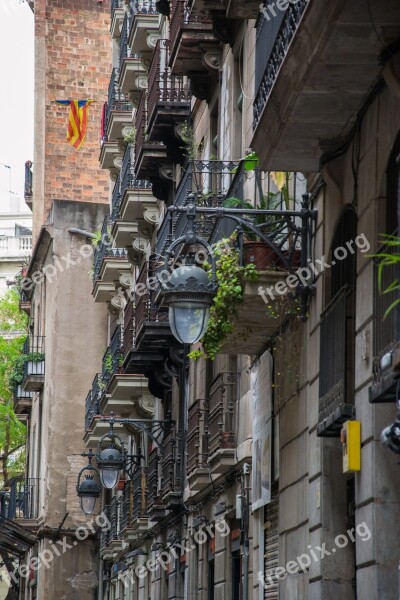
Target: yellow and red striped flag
78	120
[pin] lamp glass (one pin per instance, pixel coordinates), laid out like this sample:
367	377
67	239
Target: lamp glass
188	321
87	504
109	476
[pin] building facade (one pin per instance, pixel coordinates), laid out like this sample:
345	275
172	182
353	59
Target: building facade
239	479
15	240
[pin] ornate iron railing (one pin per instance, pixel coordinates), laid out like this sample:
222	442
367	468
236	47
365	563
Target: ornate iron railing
105	532
147	310
21	500
129	328
104	250
222	412
115	4
140	124
117	100
135	498
112	359
116	199
277	55
154	500
128	177
197	437
162	85
209	181
181	16
171	466
92	404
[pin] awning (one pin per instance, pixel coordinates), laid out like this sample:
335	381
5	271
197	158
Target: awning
14	539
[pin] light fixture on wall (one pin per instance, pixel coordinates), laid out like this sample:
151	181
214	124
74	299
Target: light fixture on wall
88	488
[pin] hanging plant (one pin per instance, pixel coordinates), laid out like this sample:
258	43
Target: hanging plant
230	277
17	373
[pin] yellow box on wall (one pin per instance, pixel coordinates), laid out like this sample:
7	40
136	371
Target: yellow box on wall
351	440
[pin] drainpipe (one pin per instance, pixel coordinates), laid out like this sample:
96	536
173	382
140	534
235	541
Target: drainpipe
245	528
101	586
78	231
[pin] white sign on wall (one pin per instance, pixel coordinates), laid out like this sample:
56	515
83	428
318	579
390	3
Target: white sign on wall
261	388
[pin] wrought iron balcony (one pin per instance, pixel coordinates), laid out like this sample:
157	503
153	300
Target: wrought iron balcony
22	400
117	17
281	31
92	404
222	442
34	365
111	542
21	500
112	359
155	506
198	472
168	102
132	75
108	264
150	156
210	182
145	26
151	321
336	391
135	517
135	211
194	48
28	192
118	113
171	467
386	335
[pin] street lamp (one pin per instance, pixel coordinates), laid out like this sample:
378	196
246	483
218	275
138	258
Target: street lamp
110	460
188	295
189	291
88	489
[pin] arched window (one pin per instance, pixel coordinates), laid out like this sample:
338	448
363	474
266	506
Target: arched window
386	329
336	377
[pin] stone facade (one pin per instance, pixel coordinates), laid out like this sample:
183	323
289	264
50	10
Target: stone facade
244	496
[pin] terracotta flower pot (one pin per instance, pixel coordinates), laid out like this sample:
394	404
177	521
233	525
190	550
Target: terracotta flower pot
260	255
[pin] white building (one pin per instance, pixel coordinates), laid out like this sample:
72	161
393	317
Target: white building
15	238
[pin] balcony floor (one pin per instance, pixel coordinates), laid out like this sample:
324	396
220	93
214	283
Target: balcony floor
314	100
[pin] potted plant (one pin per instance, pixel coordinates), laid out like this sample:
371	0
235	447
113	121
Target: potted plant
230	276
256	251
17	373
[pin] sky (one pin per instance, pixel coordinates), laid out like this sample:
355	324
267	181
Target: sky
16	95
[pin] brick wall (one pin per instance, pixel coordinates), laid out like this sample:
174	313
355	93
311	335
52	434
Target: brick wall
73	61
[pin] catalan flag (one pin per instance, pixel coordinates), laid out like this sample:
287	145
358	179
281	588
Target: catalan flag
78	120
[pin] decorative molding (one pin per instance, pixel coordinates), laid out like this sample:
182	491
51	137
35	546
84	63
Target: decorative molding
152	39
212	60
166	172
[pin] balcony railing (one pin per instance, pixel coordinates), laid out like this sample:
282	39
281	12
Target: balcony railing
335	401
222	412
92	404
115	4
147	310
135	498
198	434
21	501
209	181
128	177
181	18
116	200
141	125
273	57
124	50
117	100
112	359
104	250
15	246
28	180
163	87
144	7
155	505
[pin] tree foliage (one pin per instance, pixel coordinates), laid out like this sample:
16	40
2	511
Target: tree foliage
13	329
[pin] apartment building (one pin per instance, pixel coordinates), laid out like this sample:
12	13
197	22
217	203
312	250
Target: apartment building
225	478
15	239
